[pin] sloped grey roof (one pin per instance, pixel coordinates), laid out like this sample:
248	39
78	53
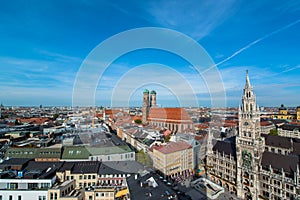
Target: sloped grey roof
286	162
277	141
225	147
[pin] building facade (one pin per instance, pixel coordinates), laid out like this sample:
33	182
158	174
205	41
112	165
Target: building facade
253	165
283	113
176	120
174	158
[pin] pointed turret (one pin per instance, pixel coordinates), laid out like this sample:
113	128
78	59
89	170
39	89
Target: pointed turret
247	85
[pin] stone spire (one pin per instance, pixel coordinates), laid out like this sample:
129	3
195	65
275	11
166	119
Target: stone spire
247	85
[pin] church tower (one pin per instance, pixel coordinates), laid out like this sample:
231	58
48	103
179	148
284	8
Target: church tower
146	106
249	145
153	99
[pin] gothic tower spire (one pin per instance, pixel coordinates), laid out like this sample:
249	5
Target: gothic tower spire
249	144
248	85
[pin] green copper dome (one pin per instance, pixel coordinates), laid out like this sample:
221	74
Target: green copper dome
146	91
153	92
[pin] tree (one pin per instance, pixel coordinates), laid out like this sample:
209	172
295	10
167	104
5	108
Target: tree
167	138
55	116
138	121
274	131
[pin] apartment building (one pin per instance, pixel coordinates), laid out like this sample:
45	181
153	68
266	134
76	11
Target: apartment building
173	158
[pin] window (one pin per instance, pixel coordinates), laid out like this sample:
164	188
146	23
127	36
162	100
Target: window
32	185
10	197
80	177
279	151
273	150
90	198
45	185
19	197
266	149
0	197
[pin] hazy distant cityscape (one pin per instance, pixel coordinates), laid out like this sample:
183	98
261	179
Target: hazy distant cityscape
247	152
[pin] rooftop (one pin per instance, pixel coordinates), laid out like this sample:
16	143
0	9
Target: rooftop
226	147
172	147
286	162
277	141
173	114
149	187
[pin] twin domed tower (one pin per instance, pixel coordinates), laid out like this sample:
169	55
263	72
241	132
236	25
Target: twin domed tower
149	101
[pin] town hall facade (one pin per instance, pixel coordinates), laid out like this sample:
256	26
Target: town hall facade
254	165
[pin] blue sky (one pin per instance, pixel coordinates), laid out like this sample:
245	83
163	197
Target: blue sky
44	43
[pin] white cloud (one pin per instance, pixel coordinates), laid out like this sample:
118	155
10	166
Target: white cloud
195	18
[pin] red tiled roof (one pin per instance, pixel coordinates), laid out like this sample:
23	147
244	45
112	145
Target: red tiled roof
111	112
198	137
35	120
169	115
99	115
266	123
172	147
202	126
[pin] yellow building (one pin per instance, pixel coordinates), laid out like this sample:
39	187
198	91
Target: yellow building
101	194
298	113
174	158
283	113
85	173
66	191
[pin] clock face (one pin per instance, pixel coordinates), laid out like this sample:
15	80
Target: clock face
246	124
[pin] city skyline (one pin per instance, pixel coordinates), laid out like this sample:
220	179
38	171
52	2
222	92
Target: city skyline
43	45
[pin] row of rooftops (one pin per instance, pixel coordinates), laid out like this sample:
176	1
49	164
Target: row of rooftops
65	153
30	169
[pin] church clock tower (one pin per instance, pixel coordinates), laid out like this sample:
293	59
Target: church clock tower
249	145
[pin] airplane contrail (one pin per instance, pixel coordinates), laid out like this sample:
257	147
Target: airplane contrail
253	43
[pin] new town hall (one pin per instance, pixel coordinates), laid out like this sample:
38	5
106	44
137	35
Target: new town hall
254	165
